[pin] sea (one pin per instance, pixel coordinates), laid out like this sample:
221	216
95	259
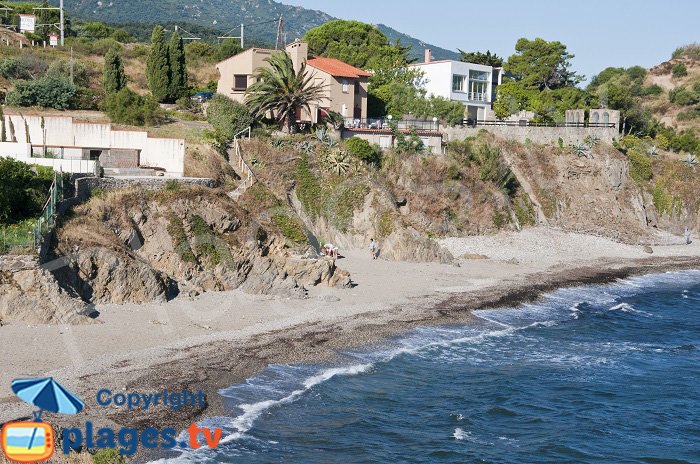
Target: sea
604	373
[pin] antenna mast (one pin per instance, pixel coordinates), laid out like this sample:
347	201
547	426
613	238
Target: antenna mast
280	43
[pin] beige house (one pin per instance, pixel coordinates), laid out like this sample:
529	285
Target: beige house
345	86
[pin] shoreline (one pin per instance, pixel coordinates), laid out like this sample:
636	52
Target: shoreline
311	331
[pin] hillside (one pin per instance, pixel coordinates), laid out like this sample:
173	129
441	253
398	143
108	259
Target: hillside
224	15
678	105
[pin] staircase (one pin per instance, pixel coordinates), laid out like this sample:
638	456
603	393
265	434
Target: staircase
240	166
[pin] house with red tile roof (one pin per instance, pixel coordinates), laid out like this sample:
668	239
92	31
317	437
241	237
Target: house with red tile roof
345	86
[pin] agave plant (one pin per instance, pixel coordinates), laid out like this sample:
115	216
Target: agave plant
325	138
592	140
306	147
653	152
581	150
690	160
338	161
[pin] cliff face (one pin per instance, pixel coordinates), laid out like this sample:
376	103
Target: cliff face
136	246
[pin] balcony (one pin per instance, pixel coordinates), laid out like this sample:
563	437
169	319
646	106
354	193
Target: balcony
386	123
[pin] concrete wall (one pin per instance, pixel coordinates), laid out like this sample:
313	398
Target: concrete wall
119	159
432	142
15	150
540	135
62	134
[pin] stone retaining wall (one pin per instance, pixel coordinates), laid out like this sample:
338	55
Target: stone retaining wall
539	135
84	186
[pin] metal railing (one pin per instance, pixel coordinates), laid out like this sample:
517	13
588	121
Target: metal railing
526	123
386	124
47	219
236	159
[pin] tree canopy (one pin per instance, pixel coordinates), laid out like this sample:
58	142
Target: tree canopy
487	59
158	66
358	44
178	67
114	76
538	64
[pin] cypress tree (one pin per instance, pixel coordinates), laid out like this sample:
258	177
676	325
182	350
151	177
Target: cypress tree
178	67
114	76
158	66
3	136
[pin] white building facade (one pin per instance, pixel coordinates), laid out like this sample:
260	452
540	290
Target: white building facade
474	85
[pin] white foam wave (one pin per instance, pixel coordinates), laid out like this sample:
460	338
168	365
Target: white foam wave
628	308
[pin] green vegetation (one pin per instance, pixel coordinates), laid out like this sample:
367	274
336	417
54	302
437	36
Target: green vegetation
23	190
362	149
486	59
282	91
684	96
691	51
180	241
493	168
47	92
308	187
343	207
290	226
158	66
679	70
524	210
204	241
228	117
127	107
108	456
178	68
19	235
385	224
114	77
640	166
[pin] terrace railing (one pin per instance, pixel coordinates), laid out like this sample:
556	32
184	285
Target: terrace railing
47	220
236	159
386	124
525	123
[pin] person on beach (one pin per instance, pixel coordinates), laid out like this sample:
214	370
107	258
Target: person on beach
687	236
373	248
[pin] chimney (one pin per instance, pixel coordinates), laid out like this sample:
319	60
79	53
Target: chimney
298	52
428	55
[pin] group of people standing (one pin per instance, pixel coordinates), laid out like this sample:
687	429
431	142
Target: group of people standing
332	251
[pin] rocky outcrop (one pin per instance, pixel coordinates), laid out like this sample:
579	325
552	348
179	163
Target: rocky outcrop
34	296
144	248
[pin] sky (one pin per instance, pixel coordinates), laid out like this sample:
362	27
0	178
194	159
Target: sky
599	33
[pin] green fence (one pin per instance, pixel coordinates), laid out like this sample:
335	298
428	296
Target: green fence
27	236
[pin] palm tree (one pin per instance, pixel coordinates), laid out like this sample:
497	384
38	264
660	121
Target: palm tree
280	90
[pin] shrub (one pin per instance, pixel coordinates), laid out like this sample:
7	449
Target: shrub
47	92
683	96
12	68
653	89
22	191
102	46
290	226
691	51
640	166
61	70
200	50
363	150
127	107
493	168
679	70
689	115
228	117
108	456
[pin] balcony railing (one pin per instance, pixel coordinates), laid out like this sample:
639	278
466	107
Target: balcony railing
525	123
386	124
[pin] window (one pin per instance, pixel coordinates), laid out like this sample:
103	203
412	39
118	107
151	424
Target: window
458	83
240	82
357	88
478	85
346	86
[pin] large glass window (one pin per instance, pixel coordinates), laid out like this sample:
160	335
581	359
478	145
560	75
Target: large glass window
478	85
458	83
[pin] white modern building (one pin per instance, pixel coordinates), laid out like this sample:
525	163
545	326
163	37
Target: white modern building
469	83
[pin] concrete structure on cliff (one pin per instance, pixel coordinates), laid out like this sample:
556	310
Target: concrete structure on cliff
80	147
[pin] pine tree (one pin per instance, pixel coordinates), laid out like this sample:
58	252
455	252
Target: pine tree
178	67
158	66
114	76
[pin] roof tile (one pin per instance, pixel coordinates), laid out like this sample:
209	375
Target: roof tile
335	67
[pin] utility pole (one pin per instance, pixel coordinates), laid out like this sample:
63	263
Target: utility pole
63	26
280	34
242	31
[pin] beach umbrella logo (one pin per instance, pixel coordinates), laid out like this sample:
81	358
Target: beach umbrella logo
35	441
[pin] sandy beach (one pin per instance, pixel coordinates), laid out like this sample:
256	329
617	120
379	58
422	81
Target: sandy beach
219	339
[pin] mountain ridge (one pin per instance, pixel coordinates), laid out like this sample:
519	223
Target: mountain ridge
227	15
